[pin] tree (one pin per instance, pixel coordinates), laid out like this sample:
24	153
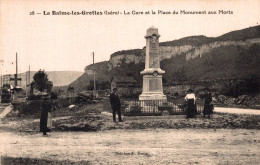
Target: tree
41	82
49	86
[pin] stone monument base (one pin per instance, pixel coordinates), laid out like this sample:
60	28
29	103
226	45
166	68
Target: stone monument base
152	96
152	85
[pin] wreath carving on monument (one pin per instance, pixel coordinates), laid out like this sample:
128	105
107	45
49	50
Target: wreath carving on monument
154	39
155	73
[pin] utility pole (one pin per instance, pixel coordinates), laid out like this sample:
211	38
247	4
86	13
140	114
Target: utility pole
16	73
2	77
15	79
1	81
27	82
1	85
29	75
94	75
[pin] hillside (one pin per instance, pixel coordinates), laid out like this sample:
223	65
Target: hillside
62	78
82	82
248	33
227	62
233	55
59	78
192	40
136	52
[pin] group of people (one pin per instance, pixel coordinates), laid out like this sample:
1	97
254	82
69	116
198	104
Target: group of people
116	108
192	107
190	100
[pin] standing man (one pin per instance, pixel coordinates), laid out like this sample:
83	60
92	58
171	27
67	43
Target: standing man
208	106
116	105
46	108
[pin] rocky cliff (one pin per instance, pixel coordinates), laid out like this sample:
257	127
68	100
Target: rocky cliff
199	51
192	47
190	51
234	55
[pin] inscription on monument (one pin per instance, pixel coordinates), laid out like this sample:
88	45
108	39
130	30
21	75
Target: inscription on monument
154	84
154	53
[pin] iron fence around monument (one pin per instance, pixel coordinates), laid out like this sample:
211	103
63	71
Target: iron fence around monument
158	107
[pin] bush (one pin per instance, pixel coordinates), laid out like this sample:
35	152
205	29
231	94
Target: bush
136	109
34	97
53	95
30	108
241	87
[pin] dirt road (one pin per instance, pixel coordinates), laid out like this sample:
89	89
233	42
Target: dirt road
153	146
237	110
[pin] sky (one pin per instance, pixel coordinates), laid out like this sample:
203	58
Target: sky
66	42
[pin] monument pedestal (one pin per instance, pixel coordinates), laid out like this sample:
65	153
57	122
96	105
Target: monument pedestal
152	84
152	74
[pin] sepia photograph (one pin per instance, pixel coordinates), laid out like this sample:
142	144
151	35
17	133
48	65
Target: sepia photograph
129	82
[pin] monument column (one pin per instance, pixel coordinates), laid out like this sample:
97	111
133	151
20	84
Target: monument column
152	74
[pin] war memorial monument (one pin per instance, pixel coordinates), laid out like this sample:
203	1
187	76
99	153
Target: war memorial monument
152	74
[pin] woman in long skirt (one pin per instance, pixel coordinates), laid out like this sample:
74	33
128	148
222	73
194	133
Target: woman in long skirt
191	102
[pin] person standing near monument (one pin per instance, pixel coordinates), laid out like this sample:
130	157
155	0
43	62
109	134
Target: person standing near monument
46	109
116	105
191	102
208	106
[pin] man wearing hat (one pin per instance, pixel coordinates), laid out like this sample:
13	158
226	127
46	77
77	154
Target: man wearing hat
116	105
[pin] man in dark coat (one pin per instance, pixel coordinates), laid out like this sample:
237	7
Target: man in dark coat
46	107
116	105
208	106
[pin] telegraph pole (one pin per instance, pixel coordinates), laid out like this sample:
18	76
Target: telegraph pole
1	81
1	85
29	76
15	79
94	75
16	73
2	77
28	83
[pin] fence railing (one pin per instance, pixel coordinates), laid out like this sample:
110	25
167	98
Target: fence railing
158	107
